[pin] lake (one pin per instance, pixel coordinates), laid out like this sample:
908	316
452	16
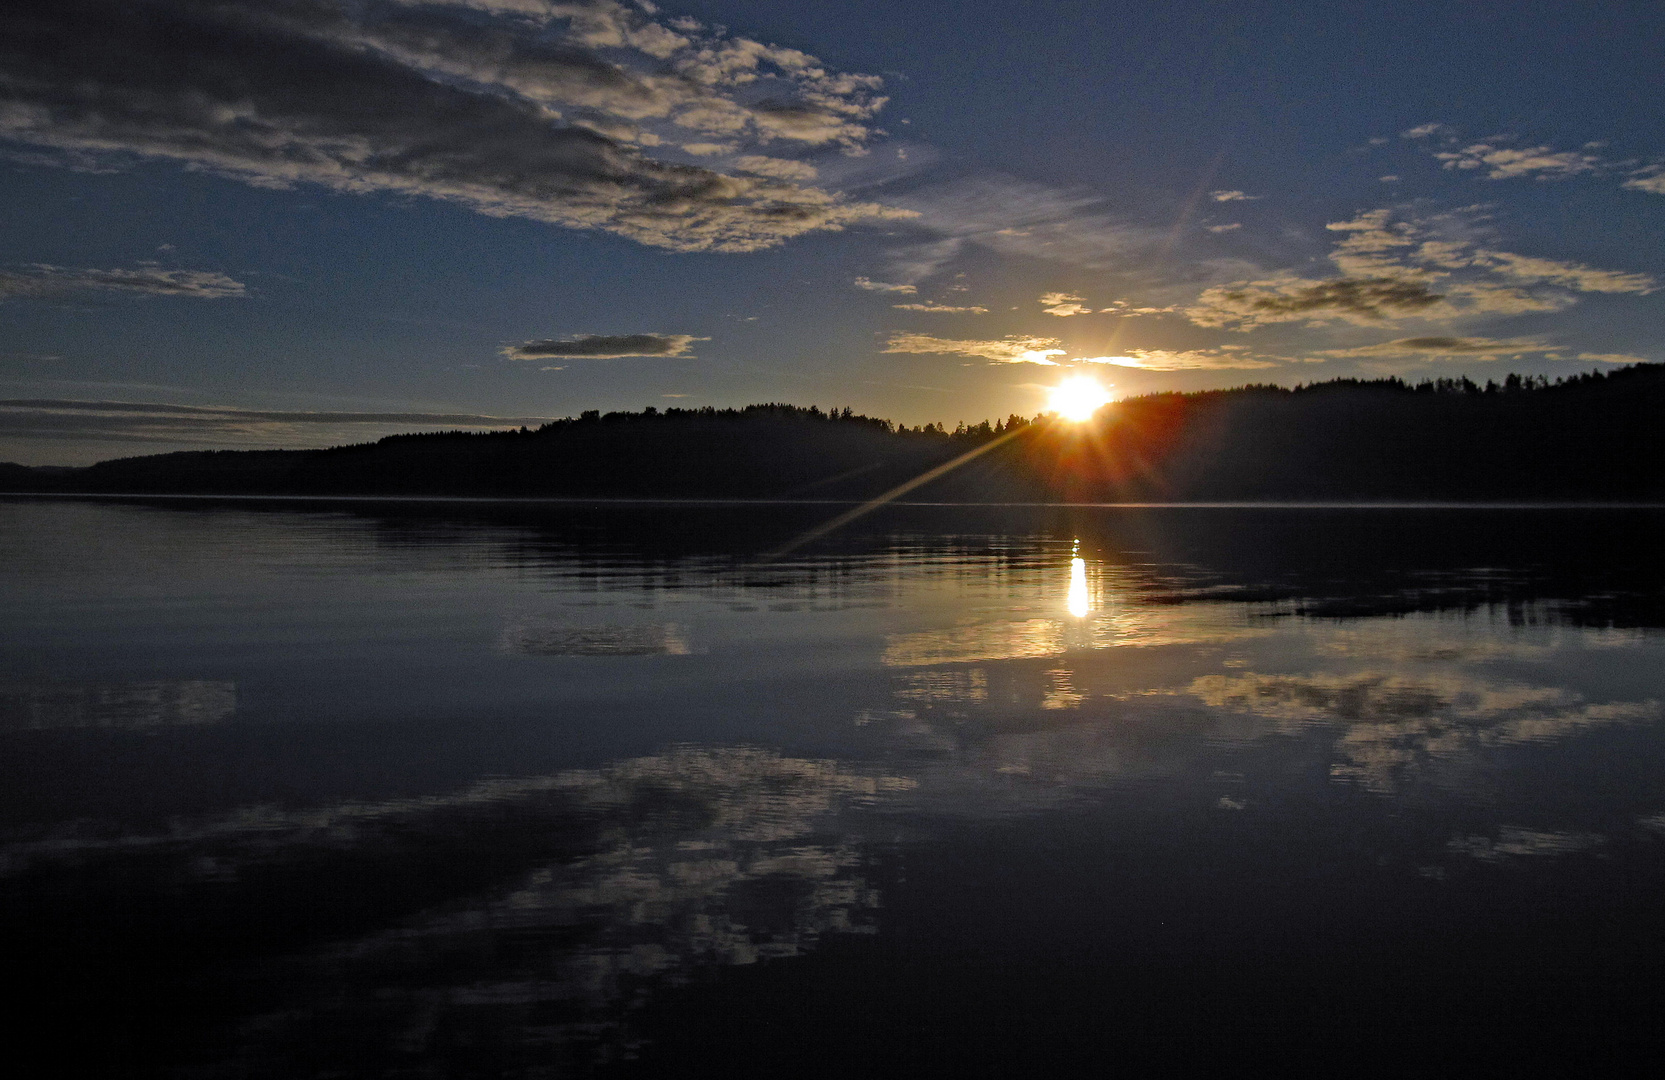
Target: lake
356	788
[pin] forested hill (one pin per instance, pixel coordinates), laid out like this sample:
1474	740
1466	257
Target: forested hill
1596	437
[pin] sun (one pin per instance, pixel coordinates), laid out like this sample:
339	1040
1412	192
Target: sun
1078	398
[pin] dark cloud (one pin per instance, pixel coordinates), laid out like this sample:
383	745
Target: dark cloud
1445	344
1428	348
1369	297
1353	299
144	422
147	280
510	108
604	347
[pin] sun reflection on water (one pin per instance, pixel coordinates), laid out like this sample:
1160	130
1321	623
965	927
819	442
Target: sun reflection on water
1077	601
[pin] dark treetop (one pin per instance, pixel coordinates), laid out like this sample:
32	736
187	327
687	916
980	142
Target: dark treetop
1595	437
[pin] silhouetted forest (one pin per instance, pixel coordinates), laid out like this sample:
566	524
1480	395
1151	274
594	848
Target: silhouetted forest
1590	438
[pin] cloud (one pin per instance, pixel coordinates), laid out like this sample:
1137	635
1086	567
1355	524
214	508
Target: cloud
1223	359
1231	227
884	286
1651	182
1423	131
42	280
1230	196
1064	304
537	110
1016	217
1009	350
1120	307
779	168
1572	275
604	347
1614	358
1357	300
1507	162
1476	348
1396	267
142	422
943	309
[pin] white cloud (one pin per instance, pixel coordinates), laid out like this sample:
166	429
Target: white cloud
1121	307
536	110
1653	183
1423	131
943	309
780	168
1507	162
1064	304
1571	275
884	286
149	279
1230	227
1613	358
1230	196
1009	350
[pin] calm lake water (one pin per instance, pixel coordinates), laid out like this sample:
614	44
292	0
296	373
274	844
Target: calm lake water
307	789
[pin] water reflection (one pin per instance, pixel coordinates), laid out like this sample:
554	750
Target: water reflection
133	705
552	636
480	845
1077	602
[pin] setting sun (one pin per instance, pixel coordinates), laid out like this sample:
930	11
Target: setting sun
1078	398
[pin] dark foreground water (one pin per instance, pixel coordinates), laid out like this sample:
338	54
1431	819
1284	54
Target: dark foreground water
471	790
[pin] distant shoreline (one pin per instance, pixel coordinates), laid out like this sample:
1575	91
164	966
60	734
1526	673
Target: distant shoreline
579	501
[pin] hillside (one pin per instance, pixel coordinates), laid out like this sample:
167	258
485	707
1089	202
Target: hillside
1596	437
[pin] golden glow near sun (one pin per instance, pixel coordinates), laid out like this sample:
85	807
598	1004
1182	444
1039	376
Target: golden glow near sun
1078	398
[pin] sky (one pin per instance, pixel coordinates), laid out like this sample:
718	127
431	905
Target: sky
283	223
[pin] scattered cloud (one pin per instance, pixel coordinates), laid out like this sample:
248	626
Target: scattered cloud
148	279
1231	196
780	168
1064	304
1467	348
1507	162
1652	181
1423	131
1396	268
1357	300
1231	227
604	347
1572	275
1121	307
1009	350
884	286
549	111
1222	359
1613	358
943	309
1502	161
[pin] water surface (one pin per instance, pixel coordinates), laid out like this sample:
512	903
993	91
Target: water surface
308	789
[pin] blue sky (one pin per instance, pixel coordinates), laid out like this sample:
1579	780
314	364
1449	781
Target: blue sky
300	222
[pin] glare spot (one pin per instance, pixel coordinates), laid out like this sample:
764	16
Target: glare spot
1078	398
1077	600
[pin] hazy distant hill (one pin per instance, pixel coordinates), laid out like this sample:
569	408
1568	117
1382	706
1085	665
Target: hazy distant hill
1591	438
